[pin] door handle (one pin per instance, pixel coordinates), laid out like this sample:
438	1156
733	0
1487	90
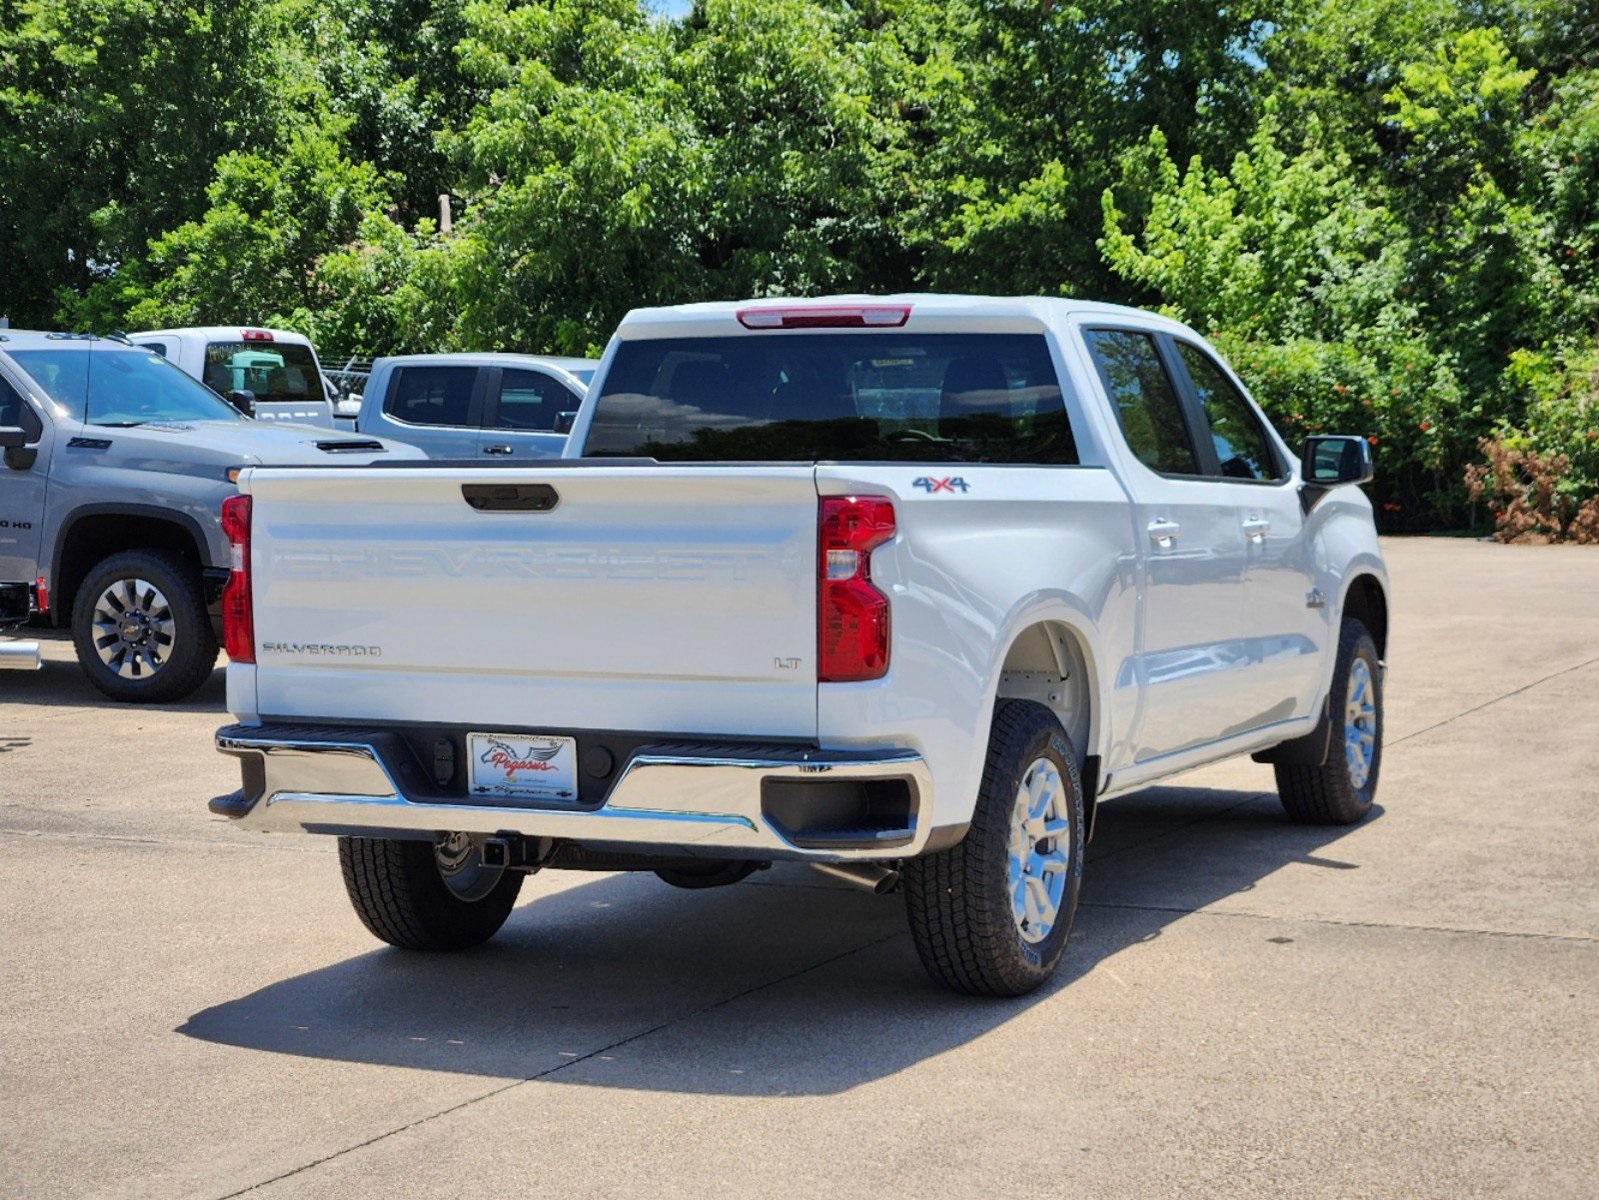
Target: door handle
1164	533
1256	528
496	449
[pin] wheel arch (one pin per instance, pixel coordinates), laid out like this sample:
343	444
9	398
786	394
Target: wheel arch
1366	600
91	533
1050	662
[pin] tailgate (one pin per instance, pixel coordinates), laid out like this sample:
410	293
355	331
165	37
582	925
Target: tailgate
650	599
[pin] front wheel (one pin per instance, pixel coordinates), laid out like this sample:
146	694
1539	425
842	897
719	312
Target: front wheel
427	895
140	627
991	915
1340	791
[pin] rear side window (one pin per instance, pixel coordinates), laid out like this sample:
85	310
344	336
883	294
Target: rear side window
159	347
531	400
432	395
1242	447
835	397
1144	399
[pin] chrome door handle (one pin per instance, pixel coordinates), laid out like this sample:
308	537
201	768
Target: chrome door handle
496	450
1164	533
1256	529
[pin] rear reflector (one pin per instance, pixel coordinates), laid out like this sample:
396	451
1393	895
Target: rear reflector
238	609
256	335
41	594
860	316
851	614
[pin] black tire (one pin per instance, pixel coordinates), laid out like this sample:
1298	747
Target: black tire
397	891
187	661
959	900
1328	794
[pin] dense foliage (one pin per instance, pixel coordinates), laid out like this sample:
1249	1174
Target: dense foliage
1386	211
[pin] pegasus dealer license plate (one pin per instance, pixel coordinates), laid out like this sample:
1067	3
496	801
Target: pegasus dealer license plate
521	765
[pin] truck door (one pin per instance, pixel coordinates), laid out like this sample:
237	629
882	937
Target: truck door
1289	618
521	412
1190	660
22	486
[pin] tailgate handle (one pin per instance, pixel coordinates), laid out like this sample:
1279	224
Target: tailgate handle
510	497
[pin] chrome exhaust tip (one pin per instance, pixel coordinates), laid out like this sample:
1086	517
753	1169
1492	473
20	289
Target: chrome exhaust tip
19	656
871	877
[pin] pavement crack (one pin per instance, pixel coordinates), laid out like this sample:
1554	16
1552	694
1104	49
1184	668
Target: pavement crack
1401	925
1527	687
559	1067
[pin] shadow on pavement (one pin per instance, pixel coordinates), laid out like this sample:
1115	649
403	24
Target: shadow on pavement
60	682
839	998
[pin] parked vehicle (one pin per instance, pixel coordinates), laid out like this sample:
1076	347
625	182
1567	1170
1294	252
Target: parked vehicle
463	406
269	374
901	587
115	468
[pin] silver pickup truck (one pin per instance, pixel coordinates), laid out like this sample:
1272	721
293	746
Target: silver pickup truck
902	587
115	467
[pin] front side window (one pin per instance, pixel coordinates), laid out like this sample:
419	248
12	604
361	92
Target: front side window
532	400
101	386
274	371
1144	399
834	397
1242	447
10	404
432	395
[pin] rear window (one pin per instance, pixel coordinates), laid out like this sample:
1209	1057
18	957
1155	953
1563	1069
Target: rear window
274	371
834	397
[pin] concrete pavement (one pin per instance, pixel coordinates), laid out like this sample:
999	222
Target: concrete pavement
1406	1008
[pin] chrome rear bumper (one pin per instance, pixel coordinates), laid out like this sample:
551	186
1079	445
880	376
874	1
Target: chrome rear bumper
691	800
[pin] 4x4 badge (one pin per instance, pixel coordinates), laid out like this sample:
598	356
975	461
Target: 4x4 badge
953	484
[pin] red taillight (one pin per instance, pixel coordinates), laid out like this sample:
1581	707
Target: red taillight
41	594
256	335
851	614
829	316
238	611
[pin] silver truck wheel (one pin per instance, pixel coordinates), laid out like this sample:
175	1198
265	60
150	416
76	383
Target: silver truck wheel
134	630
991	915
1040	850
140	627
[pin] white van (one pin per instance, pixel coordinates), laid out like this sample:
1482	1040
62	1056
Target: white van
271	374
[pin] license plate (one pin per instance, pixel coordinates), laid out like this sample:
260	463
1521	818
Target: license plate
523	765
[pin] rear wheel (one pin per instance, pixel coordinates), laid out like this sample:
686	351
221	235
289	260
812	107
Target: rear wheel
427	895
991	915
140	627
1340	791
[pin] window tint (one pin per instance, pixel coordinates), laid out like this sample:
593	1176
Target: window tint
839	397
1144	399
432	395
532	400
10	404
1242	447
274	371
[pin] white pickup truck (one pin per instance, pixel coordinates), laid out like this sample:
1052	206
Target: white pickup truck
901	586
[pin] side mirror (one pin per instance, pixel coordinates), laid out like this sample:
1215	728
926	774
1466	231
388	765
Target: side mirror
243	401
1332	461
564	422
14	448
